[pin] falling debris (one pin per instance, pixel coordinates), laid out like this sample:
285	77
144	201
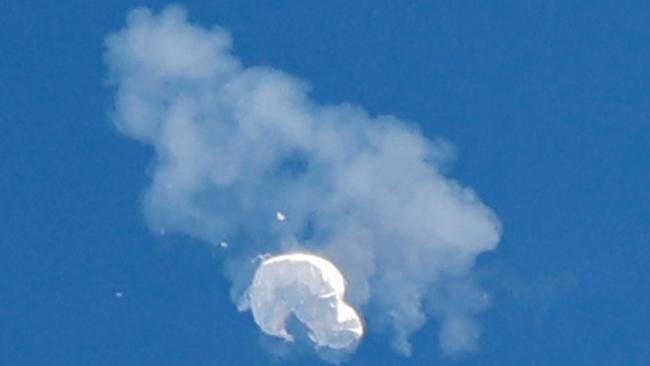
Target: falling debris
223	244
119	294
312	289
280	216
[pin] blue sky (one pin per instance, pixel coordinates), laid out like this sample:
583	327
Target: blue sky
547	105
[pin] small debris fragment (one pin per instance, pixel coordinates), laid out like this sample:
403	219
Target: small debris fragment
280	216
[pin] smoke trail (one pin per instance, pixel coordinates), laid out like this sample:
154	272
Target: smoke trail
235	145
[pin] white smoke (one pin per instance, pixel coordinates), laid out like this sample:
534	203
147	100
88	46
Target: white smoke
312	289
234	144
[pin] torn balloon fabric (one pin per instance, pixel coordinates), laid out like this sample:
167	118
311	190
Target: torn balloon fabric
310	288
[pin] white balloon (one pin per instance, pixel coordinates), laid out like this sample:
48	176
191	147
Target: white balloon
312	289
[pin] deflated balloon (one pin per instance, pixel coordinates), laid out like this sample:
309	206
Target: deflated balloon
312	289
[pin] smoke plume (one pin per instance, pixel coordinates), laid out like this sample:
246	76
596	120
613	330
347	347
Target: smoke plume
235	145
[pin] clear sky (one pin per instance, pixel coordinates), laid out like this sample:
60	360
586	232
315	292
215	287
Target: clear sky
547	104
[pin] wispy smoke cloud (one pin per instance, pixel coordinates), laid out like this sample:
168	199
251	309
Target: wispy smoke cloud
235	144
